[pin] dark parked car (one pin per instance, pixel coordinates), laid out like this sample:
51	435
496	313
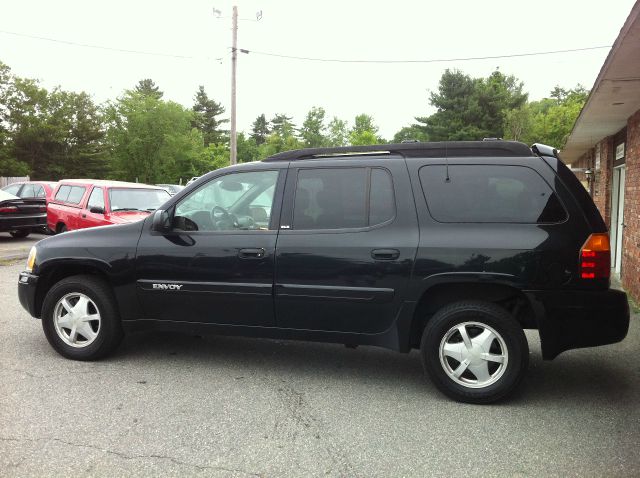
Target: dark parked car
19	217
450	248
31	189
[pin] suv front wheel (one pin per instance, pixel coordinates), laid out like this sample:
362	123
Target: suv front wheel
474	352
80	318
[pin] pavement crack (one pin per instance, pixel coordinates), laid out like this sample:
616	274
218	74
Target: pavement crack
126	456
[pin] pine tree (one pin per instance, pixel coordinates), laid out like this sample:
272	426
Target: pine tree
260	129
148	88
282	126
206	112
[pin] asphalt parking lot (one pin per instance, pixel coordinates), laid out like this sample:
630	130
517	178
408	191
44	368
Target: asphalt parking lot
177	405
16	249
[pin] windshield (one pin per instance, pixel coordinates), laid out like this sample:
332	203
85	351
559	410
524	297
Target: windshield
131	199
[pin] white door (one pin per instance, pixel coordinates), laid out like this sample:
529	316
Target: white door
617	217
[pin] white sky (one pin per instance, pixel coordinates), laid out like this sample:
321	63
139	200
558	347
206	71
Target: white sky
393	94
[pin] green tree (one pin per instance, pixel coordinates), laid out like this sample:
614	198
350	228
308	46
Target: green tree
410	133
152	140
282	126
277	144
205	118
364	131
471	108
313	129
248	149
50	134
548	120
147	87
338	132
9	166
260	129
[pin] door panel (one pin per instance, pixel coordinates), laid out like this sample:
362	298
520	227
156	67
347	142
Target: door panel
331	273
217	266
92	219
200	278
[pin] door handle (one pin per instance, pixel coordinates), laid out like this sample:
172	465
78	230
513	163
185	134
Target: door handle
251	253
385	254
84	215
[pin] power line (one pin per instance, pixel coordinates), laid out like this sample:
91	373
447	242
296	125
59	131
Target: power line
438	60
99	47
300	58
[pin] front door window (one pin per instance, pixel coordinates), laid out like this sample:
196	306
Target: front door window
234	202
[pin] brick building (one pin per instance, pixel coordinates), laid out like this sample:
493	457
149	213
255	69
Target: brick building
604	150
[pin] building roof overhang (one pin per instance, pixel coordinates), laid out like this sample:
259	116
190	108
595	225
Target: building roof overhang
615	94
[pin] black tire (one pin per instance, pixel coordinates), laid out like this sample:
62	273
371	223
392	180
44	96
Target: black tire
61	228
109	334
20	233
483	313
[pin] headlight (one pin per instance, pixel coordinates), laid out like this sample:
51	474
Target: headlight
31	260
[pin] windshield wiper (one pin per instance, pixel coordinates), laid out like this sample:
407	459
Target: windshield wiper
125	209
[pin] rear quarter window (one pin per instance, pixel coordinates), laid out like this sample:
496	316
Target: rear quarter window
63	193
489	194
75	195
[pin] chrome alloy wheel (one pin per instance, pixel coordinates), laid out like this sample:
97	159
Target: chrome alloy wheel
473	354
76	319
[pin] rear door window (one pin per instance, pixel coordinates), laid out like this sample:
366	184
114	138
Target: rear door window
489	193
382	206
343	198
330	198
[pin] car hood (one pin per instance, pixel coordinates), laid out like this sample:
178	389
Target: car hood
125	217
87	242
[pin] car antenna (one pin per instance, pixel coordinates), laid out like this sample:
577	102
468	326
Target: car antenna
446	160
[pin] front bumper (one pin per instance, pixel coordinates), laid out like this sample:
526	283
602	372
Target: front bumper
571	319
27	284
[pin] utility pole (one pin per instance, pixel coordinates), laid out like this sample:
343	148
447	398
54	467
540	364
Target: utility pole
234	61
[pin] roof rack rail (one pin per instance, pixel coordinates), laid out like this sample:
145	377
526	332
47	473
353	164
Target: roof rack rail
544	150
439	149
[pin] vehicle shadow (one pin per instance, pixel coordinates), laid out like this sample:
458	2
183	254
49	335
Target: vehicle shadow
594	377
269	356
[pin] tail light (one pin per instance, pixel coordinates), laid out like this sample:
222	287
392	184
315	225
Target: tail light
8	209
595	257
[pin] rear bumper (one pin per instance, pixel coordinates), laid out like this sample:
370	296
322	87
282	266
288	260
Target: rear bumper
23	222
574	319
27	284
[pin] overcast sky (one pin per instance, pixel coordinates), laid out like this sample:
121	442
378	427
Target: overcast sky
367	30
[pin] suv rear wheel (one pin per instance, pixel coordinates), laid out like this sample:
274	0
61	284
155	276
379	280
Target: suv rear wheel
80	318
474	352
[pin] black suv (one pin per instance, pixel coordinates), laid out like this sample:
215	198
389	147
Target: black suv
450	248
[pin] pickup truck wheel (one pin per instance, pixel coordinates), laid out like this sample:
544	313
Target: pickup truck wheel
80	318
474	352
61	228
20	234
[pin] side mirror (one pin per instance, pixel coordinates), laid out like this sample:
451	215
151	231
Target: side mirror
97	210
161	221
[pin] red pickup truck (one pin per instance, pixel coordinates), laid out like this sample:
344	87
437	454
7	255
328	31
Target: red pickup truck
81	203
